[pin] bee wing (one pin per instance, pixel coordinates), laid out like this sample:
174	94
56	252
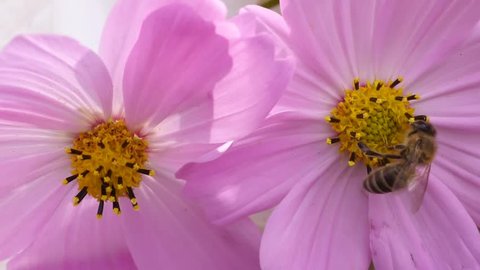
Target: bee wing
418	186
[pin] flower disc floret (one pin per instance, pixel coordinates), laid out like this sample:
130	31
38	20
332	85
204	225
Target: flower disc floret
376	114
107	163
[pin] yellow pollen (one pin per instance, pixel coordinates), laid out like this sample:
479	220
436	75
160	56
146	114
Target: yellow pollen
376	114
107	163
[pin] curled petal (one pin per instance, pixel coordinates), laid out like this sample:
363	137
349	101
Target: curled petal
123	28
174	65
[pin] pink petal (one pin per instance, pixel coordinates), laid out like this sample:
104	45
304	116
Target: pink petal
244	97
170	158
22	170
256	172
315	38
425	33
377	39
73	238
17	142
26	209
33	164
456	164
53	82
123	29
303	92
307	94
175	65
253	20
461	179
25	151
321	224
248	93
179	237
441	235
451	88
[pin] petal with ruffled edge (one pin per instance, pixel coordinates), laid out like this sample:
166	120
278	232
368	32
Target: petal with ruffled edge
321	224
441	235
302	93
174	65
258	171
179	237
53	82
73	238
26	209
123	28
252	20
377	39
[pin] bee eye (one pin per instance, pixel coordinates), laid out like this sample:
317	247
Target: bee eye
422	126
425	127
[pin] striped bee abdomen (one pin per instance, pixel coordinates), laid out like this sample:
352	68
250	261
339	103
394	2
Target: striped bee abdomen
385	179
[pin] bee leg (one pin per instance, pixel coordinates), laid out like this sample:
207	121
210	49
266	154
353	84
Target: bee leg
382	162
392	156
397	147
369	169
364	148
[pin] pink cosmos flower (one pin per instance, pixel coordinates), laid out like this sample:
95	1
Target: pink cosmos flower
167	91
368	68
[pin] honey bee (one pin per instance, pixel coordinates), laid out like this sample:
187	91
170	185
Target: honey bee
410	169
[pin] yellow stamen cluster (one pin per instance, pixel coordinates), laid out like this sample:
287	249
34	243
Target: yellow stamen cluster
376	114
107	162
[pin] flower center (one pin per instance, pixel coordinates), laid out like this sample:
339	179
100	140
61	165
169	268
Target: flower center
107	163
372	119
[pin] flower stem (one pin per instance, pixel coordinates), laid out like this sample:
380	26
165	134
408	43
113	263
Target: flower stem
269	3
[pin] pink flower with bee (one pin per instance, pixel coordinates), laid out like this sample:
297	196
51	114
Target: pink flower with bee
373	70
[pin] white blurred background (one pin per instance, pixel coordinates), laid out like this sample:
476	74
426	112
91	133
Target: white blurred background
82	20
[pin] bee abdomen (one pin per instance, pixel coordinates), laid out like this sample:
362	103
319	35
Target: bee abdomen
381	181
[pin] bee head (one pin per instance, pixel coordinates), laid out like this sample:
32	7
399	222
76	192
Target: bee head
425	127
